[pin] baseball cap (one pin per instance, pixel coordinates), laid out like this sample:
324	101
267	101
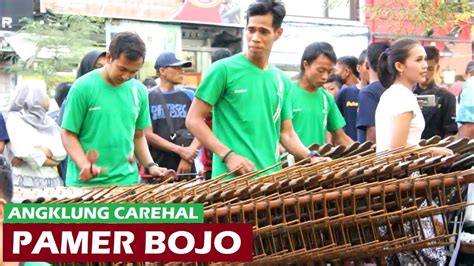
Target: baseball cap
470	67
168	59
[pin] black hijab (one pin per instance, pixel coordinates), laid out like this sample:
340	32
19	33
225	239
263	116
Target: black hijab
88	62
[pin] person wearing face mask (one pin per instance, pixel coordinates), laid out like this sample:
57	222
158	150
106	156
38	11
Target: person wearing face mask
35	147
105	118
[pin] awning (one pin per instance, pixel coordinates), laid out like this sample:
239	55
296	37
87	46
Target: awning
21	43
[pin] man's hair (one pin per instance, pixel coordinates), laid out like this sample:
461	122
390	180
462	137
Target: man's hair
335	78
219	54
362	57
432	53
61	92
350	62
314	50
264	7
129	44
149	82
6	188
373	53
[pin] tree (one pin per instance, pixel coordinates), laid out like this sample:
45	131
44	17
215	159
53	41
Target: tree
422	15
61	41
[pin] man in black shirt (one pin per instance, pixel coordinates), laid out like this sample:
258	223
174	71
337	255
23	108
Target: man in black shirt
169	106
439	119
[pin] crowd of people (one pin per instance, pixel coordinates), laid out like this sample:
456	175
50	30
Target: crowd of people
245	113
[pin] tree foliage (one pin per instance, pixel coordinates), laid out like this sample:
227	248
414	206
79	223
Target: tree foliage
61	41
422	14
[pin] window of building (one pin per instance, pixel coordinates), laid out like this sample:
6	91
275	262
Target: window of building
335	9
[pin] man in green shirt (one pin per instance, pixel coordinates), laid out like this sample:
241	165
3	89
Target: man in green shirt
314	109
107	111
250	97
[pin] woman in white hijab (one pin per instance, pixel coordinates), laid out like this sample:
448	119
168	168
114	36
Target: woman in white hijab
35	147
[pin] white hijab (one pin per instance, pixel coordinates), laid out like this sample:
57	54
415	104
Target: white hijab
28	103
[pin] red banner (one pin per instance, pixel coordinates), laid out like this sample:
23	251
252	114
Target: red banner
128	242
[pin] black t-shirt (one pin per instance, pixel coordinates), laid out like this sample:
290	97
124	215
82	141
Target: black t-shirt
178	102
440	119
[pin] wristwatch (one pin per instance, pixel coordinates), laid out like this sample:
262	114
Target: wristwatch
150	165
312	154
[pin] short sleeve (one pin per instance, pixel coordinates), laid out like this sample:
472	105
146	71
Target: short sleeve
405	103
466	105
335	118
143	119
213	85
286	110
189	93
76	107
367	106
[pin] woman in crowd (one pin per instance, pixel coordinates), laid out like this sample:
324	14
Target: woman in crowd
92	60
35	147
399	122
398	118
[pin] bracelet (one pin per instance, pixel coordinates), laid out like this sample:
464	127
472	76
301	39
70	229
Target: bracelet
312	154
150	165
227	155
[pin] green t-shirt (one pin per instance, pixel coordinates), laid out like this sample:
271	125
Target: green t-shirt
105	119
249	106
313	114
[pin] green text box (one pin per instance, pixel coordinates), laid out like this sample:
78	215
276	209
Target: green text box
104	213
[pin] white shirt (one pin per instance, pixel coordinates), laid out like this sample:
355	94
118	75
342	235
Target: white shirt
23	139
397	100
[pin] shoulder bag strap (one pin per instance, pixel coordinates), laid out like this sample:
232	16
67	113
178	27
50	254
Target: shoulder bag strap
162	101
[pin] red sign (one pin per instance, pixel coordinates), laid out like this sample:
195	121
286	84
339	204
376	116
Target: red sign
128	242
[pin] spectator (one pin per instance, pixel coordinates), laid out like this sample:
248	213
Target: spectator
333	84
314	109
363	69
35	147
250	102
370	95
107	112
466	108
399	121
170	143
60	95
149	83
348	98
439	119
92	60
346	68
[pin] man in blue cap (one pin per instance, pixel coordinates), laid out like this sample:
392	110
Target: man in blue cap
170	143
